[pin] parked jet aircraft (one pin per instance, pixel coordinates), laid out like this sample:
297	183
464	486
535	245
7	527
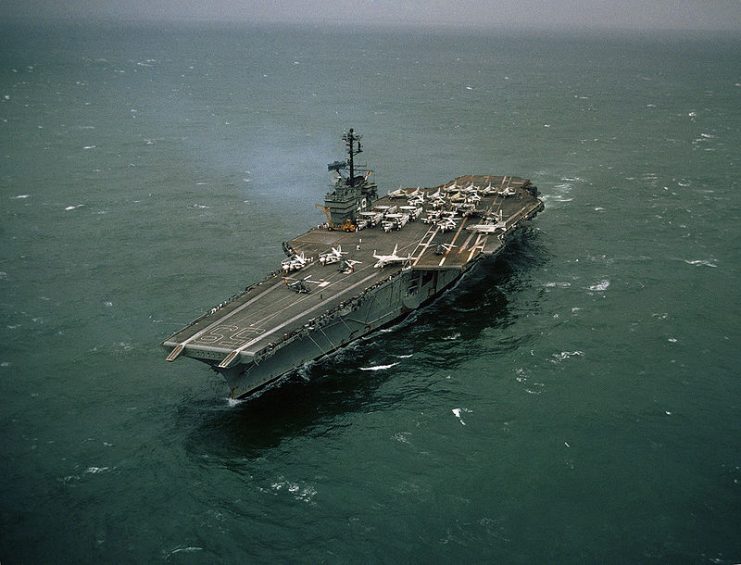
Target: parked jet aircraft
293	263
332	256
384	260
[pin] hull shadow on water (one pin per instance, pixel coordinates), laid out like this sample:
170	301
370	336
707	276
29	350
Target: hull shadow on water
313	400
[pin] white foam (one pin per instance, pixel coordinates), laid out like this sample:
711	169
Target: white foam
187	549
407	356
21	196
558	357
75	207
600	286
457	413
90	147
232	402
95	470
379	367
701	263
452	337
304	494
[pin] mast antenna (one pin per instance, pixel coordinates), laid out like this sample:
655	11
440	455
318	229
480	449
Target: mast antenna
350	138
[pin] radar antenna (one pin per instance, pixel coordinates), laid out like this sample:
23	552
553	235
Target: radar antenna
350	138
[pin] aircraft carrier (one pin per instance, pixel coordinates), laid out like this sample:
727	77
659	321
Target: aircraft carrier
373	261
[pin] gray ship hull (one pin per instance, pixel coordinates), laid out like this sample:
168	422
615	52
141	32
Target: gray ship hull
380	306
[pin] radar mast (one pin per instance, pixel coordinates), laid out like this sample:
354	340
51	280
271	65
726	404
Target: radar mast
350	138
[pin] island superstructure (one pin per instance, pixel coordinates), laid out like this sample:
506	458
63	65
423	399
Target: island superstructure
373	261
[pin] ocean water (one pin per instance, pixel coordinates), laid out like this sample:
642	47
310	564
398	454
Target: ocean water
578	401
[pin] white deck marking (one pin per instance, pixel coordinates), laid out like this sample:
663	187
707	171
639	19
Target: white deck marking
229	315
460	228
476	246
432	232
465	244
302	314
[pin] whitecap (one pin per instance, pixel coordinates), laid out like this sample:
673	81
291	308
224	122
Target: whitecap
600	286
90	147
452	337
379	367
21	196
701	263
563	186
305	494
75	207
557	285
566	355
95	470
6	364
187	549
407	356
457	413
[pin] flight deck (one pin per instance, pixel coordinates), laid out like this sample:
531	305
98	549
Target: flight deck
446	227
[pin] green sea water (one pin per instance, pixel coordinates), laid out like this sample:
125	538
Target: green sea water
578	401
